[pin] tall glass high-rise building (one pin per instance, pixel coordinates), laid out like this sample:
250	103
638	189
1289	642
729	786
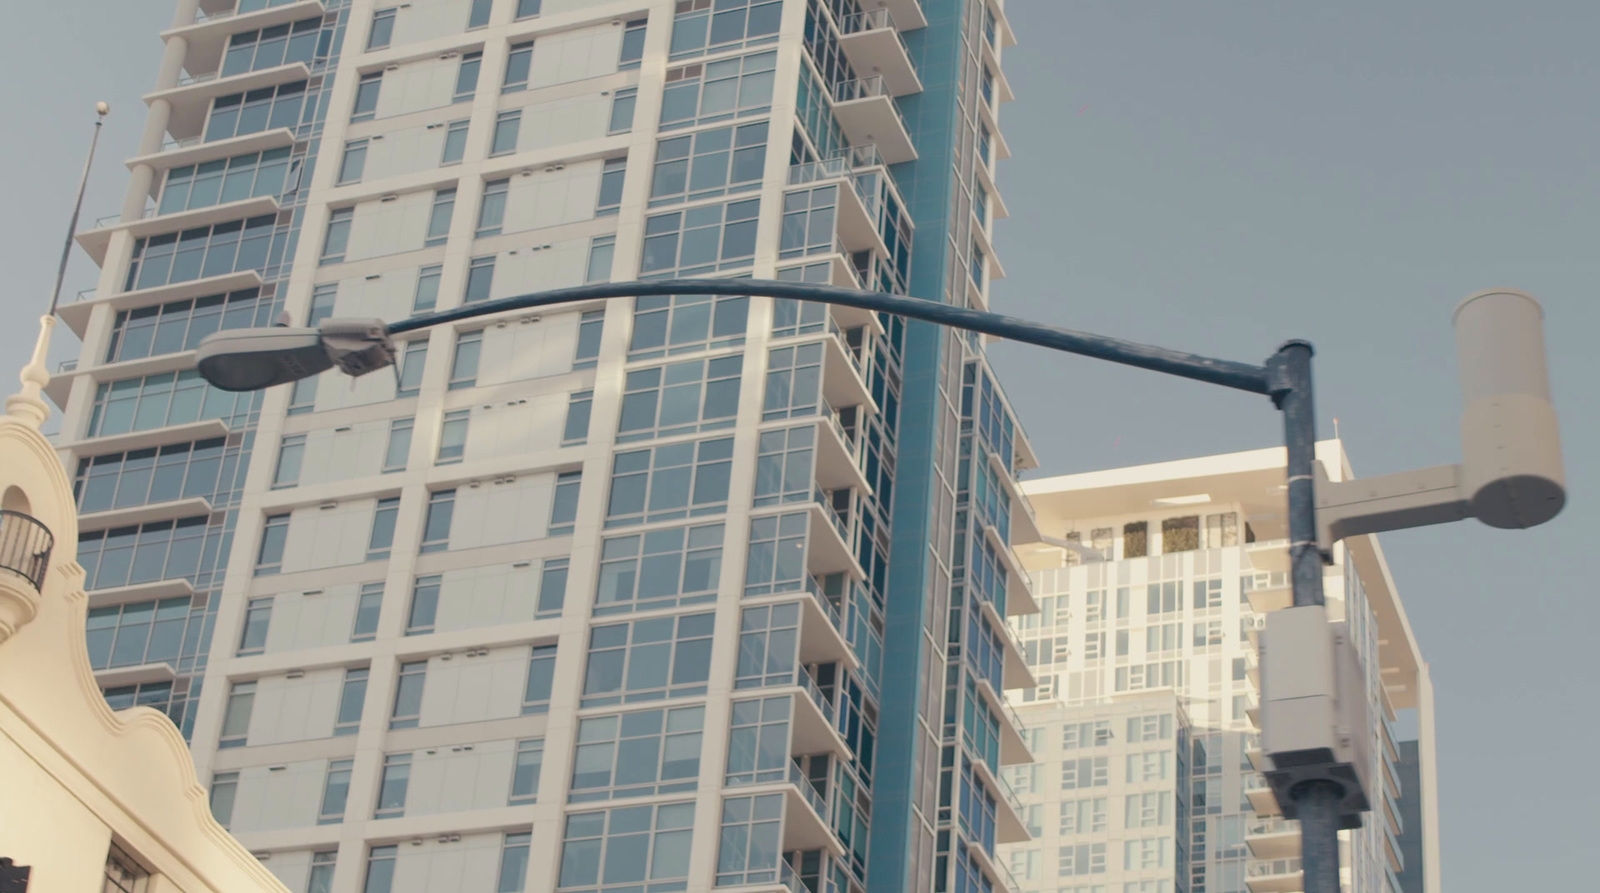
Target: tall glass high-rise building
648	595
1144	722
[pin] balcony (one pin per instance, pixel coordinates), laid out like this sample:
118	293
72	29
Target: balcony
838	457
827	541
822	634
815	724
207	37
168	510
195	150
25	545
1260	795
138	440
805	817
907	13
191	98
1274	838
95	241
1268	556
1272	597
843	383
140	592
856	225
76	314
115	677
60	384
872	43
1277	876
1009	826
866	109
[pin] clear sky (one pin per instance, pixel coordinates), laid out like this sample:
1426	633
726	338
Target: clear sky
1217	177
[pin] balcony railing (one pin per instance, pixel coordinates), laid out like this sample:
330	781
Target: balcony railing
876	20
866	88
1273	868
808	790
804	680
25	546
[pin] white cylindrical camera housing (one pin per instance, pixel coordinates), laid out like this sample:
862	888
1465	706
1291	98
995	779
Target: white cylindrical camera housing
1511	469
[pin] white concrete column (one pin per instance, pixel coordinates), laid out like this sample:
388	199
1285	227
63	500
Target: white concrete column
172	63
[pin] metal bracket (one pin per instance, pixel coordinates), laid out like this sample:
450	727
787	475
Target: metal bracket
357	346
1387	502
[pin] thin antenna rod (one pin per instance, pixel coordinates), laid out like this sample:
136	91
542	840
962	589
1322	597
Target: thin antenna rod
101	110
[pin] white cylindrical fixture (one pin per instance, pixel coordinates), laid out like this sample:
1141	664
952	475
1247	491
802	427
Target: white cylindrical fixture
1511	469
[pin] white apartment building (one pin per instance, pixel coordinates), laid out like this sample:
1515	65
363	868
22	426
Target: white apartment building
1182	561
607	597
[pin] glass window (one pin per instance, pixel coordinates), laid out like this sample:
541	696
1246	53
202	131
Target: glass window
291	452
368	606
427	294
1086	816
464	366
776	559
453	437
541	674
768	647
467	76
564	503
322	865
676	480
525	772
518	62
664	325
709	163
211	183
698	29
273	536
159	550
659	569
784	466
338	236
382	538
154	474
527	8
236	715
808	222
335	792
163	399
632	44
408	695
257	617
602	250
200	253
506	127
367	97
647	660
478	15
267	108
590	326
622	104
393	785
718	91
380	869
224	788
352	696
758	741
480	280
180	325
697	395
794	382
152	632
637	754
627	846
399	445
322	299
424	605
493	210
411	366
436	525
611	178
552	587
514	862
750	846
700	240
444	205
455	144
271	47
354	161
382	29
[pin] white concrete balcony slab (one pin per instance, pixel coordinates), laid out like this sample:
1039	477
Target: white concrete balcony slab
866	109
872	43
95	241
207	36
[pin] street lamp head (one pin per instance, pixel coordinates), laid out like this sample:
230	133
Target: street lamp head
252	359
102	108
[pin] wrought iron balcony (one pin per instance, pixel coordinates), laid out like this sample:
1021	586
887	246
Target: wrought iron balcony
25	546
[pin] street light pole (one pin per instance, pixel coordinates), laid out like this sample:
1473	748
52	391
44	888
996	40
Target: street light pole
1315	742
